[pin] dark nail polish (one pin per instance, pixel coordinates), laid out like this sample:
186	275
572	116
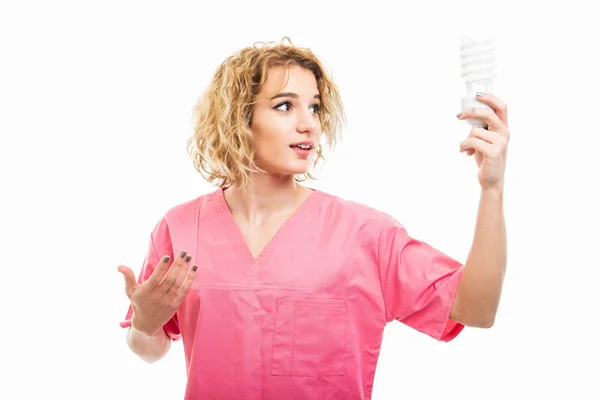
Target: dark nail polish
188	258
194	268
166	259
479	94
458	115
182	254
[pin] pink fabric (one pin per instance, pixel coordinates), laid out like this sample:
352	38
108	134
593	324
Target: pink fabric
305	319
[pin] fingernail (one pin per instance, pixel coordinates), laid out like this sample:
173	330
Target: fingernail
188	258
194	268
479	94
166	259
182	254
458	115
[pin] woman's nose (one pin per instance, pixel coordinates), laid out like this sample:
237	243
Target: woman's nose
307	122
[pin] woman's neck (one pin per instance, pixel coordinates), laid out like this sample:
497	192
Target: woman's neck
265	197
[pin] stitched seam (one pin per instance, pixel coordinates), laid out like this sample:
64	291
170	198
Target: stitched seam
274	334
379	270
155	254
450	303
293	343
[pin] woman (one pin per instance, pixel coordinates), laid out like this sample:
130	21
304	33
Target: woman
282	291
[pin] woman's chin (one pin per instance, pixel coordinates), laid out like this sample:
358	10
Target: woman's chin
299	167
291	168
294	172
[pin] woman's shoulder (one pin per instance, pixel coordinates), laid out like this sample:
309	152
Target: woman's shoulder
355	218
178	216
190	206
356	210
183	209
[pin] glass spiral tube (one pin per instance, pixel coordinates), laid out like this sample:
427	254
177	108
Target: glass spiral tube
478	64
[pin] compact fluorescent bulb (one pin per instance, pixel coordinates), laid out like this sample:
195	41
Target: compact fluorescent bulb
478	62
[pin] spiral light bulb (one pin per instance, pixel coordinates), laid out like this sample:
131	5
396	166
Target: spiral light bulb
478	62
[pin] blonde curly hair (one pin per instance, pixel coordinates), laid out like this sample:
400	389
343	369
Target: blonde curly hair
222	144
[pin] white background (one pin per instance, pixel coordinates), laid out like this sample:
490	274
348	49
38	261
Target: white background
95	109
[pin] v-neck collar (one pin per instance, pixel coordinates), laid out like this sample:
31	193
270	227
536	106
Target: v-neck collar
236	234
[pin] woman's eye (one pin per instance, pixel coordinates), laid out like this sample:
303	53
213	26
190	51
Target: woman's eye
286	104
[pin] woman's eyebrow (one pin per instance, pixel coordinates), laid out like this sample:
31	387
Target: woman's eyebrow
293	95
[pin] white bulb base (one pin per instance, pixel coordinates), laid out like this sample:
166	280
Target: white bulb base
468	102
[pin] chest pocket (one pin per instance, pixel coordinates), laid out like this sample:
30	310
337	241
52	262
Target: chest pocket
309	337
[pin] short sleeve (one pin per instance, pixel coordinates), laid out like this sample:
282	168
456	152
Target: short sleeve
159	245
418	282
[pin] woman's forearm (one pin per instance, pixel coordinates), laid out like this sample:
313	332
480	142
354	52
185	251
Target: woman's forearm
479	290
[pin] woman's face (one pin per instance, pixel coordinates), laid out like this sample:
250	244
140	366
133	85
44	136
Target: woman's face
286	119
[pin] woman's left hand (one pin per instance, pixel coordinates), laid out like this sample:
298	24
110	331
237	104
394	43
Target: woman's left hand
489	145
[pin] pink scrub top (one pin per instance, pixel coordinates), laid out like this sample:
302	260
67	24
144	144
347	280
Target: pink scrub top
305	319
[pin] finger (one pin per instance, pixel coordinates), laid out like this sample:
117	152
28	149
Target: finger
159	271
476	144
187	284
171	275
488	115
183	272
489	136
499	107
130	281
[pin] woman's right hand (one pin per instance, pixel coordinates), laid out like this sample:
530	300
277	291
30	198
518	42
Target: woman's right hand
156	300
